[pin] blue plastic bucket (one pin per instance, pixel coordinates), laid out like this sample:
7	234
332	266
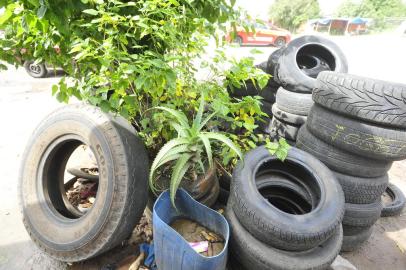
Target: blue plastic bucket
172	251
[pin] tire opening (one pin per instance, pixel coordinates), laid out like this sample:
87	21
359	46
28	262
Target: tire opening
307	55
299	196
286	200
70	195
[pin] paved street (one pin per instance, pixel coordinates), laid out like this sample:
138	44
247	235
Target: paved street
24	101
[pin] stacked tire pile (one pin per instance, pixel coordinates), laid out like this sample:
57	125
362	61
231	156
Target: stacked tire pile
295	68
284	215
357	127
267	94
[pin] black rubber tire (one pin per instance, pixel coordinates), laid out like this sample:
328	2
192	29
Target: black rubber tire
380	102
354	230
360	190
273	65
269	93
273	226
78	172
314	71
338	160
290	118
295	103
395	208
354	242
122	191
362	215
289	73
360	138
280	42
284	130
254	254
41	70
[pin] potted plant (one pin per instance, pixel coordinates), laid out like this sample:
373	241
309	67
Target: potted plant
190	153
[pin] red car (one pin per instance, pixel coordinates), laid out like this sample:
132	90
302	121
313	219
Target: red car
264	35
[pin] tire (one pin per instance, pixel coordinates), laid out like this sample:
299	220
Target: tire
395	208
367	140
254	254
295	103
280	42
362	215
284	130
354	242
78	172
35	70
319	66
294	56
375	101
273	65
339	160
269	94
360	190
290	118
238	40
354	230
210	198
122	190
270	224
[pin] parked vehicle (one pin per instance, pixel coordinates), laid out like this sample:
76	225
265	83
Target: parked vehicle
264	35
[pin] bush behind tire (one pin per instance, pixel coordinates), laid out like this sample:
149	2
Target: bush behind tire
357	137
339	160
380	102
289	73
254	254
122	191
275	227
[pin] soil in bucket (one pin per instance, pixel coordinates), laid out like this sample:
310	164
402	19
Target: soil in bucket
195	233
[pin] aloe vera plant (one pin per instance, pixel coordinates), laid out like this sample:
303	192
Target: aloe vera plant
192	146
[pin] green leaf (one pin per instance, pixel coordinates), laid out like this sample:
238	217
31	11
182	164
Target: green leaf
206	143
91	12
161	155
199	115
181	166
54	89
222	138
41	11
179	116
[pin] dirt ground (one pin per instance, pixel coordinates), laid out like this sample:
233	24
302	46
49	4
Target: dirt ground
24	101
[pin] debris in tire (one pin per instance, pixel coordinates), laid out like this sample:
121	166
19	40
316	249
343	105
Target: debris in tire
193	232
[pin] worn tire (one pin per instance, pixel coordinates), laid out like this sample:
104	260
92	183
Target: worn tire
290	74
273	65
273	226
266	107
339	160
78	172
269	94
354	242
360	190
362	215
284	130
122	191
395	208
359	138
290	118
254	254
40	71
380	102
294	103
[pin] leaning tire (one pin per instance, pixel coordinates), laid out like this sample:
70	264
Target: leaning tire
359	138
338	160
397	204
284	130
35	70
362	215
294	103
375	101
290	118
361	190
122	191
270	224
254	254
290	74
